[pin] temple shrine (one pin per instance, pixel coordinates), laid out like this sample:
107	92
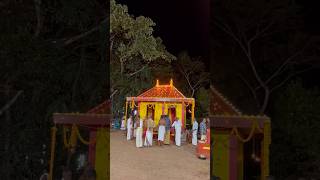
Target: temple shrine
239	143
96	122
162	100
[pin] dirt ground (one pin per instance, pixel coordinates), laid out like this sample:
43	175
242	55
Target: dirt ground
165	162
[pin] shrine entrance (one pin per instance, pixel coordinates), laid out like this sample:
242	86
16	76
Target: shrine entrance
172	113
252	158
150	111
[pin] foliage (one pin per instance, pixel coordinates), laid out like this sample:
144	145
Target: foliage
134	53
258	47
193	72
54	76
202	103
296	122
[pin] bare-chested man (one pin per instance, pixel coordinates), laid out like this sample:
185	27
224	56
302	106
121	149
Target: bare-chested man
161	131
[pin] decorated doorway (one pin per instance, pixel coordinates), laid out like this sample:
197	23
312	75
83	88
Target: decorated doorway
150	110
172	113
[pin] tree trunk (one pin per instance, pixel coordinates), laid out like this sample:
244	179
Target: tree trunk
121	66
265	100
7	125
37	4
192	93
77	78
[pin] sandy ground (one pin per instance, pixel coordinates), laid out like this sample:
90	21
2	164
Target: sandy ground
165	162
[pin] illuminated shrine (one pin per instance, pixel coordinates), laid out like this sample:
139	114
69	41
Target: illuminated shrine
162	100
239	143
96	122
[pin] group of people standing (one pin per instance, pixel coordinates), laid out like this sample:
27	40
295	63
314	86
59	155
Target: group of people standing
144	128
203	130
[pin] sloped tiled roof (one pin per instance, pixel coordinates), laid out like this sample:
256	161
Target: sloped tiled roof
221	105
163	91
103	108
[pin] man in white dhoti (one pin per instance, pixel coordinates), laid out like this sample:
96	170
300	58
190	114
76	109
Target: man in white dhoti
129	127
149	133
139	133
177	127
136	121
195	132
161	131
123	124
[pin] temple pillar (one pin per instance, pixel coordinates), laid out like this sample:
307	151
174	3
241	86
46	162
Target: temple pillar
92	147
233	154
125	116
183	115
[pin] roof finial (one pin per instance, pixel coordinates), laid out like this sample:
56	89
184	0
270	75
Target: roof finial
171	82
157	83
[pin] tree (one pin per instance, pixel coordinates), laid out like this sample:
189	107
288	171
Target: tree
295	145
265	39
52	56
193	72
203	102
133	49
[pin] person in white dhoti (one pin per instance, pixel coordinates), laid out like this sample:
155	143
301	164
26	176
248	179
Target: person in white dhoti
123	127
139	133
129	128
161	131
195	132
136	120
177	127
149	133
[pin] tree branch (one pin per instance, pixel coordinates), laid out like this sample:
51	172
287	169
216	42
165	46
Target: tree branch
246	50
37	4
287	61
131	74
113	93
253	91
289	77
258	33
10	103
82	35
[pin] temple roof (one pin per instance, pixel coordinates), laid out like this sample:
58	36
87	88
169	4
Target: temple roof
220	105
162	93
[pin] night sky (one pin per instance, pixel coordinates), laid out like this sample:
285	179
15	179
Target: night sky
182	24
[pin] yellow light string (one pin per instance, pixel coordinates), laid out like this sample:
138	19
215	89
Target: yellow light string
236	132
81	138
53	143
152	106
192	111
73	137
126	113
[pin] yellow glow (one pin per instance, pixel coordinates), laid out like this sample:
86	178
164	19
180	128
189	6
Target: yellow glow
171	82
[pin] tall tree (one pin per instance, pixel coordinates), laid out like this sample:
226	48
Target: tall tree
295	133
55	54
264	43
193	71
133	49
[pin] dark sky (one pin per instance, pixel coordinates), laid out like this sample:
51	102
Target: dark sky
182	24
